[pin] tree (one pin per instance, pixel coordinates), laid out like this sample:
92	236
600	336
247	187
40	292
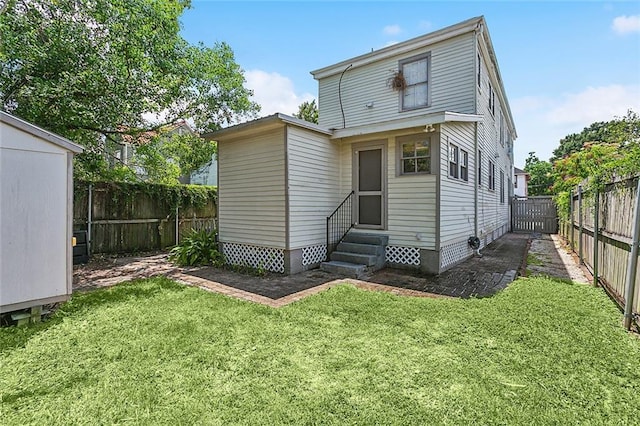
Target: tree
620	130
541	175
95	71
308	111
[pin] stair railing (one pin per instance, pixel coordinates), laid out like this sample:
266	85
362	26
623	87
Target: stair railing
339	223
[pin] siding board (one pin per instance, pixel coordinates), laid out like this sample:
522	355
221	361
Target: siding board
251	190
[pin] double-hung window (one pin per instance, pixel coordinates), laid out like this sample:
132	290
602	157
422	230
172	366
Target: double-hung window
416	72
501	187
454	161
458	163
492	175
464	165
415	155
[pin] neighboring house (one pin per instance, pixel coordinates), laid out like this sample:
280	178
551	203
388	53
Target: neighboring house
429	161
520	182
206	175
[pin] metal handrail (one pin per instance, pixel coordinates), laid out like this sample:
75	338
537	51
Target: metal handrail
339	223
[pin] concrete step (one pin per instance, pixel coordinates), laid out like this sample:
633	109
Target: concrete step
361	248
363	259
373	239
350	270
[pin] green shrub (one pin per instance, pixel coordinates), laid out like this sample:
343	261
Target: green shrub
197	248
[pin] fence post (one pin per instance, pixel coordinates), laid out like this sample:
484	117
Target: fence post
580	224
571	220
633	263
177	227
89	214
596	235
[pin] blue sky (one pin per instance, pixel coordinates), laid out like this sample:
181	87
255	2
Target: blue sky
564	64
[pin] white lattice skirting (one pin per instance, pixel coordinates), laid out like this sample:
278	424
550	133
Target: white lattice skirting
454	252
403	255
269	258
314	254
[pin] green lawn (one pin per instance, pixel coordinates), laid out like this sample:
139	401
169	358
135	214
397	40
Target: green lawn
155	352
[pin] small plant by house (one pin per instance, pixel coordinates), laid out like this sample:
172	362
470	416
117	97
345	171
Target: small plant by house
197	248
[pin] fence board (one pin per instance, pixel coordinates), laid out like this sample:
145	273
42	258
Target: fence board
534	214
615	209
137	222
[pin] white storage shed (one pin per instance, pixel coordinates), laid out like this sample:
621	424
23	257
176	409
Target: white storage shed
36	215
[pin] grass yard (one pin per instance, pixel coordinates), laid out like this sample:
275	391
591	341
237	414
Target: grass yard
155	352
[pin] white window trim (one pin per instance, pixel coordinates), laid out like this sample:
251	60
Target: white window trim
401	64
491	184
454	161
462	158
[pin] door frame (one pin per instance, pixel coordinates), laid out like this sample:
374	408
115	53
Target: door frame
367	146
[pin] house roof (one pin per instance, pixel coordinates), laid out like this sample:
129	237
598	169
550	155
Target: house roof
261	123
400	48
404	123
518	171
39	132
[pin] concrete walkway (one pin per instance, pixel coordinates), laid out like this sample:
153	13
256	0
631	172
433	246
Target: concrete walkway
549	256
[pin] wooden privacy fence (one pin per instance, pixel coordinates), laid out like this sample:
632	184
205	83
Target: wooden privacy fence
126	218
601	231
534	214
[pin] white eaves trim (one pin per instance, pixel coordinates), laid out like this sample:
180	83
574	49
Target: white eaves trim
404	123
39	132
271	120
401	48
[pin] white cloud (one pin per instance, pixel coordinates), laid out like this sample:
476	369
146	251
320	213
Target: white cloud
392	30
626	24
542	121
274	92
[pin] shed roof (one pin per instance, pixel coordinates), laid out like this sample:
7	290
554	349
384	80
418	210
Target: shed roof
271	120
518	171
39	132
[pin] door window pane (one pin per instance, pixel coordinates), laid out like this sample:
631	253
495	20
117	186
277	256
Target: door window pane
370	170
370	210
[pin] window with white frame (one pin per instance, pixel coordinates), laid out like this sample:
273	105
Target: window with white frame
464	165
501	187
492	175
415	155
479	168
454	161
416	72
458	163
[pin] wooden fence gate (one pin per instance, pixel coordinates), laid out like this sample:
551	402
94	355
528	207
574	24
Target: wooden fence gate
534	214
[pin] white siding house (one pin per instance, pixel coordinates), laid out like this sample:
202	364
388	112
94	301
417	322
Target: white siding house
420	131
35	215
520	182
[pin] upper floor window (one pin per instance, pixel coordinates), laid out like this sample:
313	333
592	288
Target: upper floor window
415	155
416	72
492	100
479	72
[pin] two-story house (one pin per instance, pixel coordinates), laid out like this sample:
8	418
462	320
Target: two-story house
413	148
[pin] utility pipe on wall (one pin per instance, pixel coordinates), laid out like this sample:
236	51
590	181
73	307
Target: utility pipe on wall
632	266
